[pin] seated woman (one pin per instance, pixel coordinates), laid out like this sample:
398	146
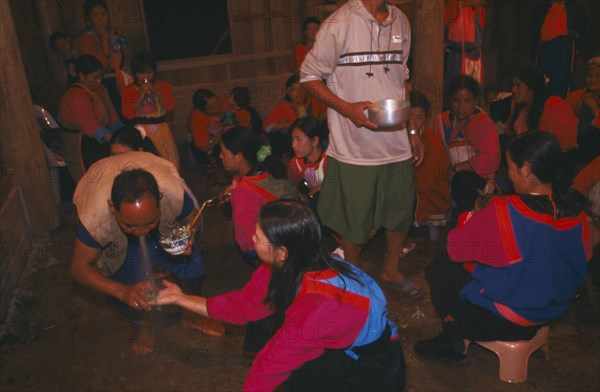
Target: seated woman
205	127
87	107
306	291
586	106
535	109
253	186
310	28
472	142
147	102
296	104
431	176
514	287
309	136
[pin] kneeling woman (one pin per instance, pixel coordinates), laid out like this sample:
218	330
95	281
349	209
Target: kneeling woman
333	332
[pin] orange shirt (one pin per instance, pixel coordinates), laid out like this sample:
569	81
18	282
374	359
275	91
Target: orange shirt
134	91
555	23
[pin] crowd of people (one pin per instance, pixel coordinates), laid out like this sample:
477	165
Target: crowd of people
319	166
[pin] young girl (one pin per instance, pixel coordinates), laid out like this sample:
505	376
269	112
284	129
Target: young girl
241	112
332	327
147	101
205	127
309	163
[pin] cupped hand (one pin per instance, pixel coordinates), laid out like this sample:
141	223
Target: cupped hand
169	295
137	296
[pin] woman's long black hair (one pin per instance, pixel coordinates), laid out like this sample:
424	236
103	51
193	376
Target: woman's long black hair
534	79
542	151
292	224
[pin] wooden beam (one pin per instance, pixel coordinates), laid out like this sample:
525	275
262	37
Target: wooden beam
427	51
20	145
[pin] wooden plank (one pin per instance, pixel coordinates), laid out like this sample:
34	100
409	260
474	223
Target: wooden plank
15	241
20	143
427	50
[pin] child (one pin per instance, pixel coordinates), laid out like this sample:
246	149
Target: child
62	45
147	101
205	127
241	113
309	163
431	177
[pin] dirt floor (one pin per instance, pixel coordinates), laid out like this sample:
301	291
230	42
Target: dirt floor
65	337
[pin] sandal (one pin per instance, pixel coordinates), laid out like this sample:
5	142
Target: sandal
408	287
408	247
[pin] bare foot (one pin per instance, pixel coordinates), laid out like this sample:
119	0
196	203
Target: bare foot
205	325
142	340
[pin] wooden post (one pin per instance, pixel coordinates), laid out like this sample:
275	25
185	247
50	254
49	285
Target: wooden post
23	159
427	51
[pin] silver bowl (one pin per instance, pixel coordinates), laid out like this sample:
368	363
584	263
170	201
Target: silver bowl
389	113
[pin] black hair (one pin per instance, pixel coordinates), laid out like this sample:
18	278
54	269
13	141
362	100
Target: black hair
87	64
242	140
55	37
466	82
292	224
312	128
132	138
289	83
142	61
309	20
534	79
132	185
241	96
419	100
201	97
543	153
89	5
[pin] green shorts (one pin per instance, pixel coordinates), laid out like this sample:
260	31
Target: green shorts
355	199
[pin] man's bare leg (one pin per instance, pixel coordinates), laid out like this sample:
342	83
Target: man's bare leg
394	242
190	320
351	251
142	340
394	245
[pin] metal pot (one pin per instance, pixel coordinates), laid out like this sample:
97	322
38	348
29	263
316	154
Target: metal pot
389	113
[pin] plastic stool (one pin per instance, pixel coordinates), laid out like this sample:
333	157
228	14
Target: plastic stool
514	356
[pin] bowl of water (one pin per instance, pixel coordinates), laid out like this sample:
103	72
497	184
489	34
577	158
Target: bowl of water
389	113
177	240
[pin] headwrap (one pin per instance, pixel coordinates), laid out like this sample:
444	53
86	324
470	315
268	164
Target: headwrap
594	61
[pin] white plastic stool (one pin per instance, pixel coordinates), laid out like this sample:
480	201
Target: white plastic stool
514	356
